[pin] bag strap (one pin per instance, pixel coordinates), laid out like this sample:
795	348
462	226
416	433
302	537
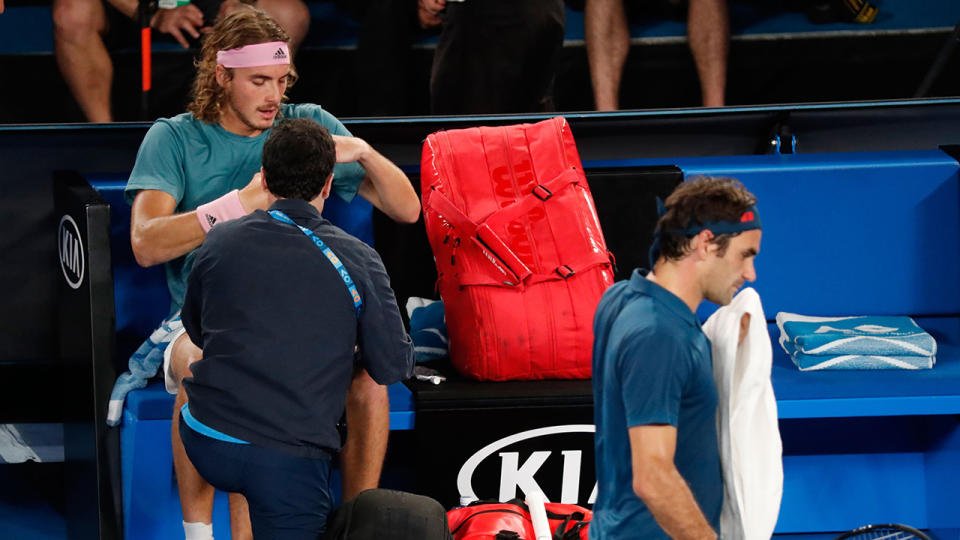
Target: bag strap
490	243
481	234
540	194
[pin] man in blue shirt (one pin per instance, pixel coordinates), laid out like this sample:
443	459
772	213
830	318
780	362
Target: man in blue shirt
198	170
657	461
281	302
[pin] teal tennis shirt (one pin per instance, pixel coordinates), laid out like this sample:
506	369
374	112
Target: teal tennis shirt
651	365
196	162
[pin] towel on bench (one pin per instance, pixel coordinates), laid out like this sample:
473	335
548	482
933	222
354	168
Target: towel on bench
143	365
866	342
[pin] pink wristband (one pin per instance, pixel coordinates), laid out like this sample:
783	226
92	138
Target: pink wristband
219	210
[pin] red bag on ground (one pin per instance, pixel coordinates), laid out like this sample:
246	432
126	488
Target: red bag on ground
521	259
485	521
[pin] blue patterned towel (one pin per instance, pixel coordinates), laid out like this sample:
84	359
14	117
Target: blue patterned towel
143	365
428	329
807	362
867	342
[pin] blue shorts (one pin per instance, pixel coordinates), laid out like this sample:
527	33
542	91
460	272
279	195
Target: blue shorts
289	496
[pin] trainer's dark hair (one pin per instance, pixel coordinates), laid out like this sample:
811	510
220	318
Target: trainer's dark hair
297	158
698	201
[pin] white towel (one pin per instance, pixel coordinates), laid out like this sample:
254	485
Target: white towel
13	449
749	435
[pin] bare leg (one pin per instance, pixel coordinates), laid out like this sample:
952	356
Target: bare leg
78	27
292	15
196	495
608	41
708	30
240	528
368	427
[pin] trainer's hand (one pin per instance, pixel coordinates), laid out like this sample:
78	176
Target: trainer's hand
253	196
350	149
177	21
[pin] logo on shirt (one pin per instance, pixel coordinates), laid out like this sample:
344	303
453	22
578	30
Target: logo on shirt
70	248
534	460
279	55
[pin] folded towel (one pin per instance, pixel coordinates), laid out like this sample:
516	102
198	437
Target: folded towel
874	336
860	361
816	343
428	329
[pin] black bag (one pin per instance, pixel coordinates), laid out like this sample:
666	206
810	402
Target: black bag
384	514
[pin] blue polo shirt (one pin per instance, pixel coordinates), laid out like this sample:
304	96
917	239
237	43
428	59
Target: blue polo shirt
651	365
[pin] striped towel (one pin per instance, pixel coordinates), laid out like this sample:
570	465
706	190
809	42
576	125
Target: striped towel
143	365
866	342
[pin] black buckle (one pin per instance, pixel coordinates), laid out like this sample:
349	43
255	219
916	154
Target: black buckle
564	271
542	197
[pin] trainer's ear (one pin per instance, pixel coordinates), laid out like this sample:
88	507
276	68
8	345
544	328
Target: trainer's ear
327	187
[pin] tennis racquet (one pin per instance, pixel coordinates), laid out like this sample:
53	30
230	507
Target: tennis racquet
884	532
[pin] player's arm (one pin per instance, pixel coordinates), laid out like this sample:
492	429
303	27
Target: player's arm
658	483
157	235
385	186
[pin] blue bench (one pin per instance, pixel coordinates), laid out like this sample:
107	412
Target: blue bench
151	503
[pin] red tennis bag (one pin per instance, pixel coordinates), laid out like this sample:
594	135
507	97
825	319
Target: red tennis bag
521	259
511	521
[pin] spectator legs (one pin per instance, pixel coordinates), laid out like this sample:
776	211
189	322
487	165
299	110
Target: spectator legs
608	41
78	27
292	15
708	30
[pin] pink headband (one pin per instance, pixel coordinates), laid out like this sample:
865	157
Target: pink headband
259	54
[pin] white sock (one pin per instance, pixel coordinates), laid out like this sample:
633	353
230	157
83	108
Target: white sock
198	531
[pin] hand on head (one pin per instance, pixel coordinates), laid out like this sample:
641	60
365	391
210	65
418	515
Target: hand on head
350	149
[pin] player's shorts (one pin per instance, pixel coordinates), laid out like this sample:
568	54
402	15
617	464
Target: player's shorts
169	381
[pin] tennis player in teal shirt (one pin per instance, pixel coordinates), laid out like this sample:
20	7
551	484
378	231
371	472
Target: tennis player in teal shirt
657	458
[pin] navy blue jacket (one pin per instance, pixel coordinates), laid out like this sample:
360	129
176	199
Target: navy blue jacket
279	329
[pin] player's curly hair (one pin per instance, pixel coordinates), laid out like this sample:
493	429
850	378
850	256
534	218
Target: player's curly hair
698	201
246	26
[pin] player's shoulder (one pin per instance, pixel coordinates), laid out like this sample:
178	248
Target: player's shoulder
315	112
182	126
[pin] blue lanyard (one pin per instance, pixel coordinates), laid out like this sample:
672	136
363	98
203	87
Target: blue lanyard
331	256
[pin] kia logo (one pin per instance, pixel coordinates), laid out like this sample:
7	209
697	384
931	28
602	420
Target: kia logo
71	251
521	457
